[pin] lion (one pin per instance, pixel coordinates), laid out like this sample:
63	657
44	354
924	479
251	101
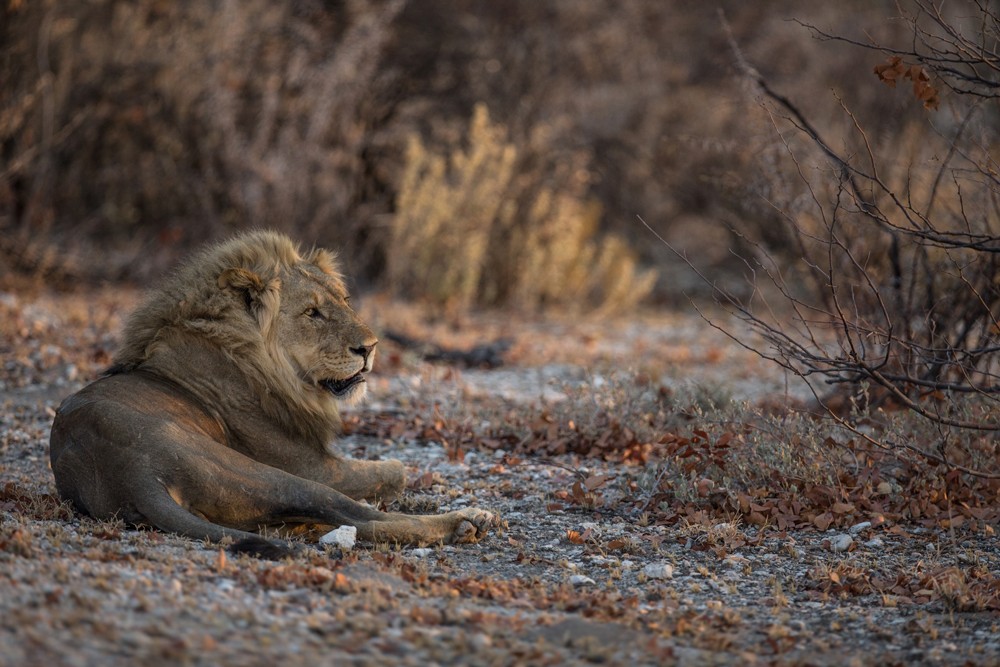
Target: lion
216	416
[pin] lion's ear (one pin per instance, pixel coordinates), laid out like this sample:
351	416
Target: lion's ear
324	260
261	296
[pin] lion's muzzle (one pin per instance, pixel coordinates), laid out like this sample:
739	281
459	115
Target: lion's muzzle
343	388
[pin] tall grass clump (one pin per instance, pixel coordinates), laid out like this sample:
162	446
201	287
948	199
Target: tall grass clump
471	228
147	127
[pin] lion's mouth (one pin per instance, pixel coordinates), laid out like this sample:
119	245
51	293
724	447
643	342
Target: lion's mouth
341	388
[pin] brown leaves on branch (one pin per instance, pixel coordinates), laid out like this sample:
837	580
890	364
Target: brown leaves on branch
895	70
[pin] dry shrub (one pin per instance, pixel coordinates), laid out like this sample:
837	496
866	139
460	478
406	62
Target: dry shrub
470	229
140	128
892	297
146	126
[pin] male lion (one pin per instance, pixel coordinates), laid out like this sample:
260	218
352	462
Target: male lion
215	417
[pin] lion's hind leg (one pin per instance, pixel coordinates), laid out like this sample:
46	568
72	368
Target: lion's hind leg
159	509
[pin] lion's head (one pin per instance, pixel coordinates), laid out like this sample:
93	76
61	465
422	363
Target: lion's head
281	318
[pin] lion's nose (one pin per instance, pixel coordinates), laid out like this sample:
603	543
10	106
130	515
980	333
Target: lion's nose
364	351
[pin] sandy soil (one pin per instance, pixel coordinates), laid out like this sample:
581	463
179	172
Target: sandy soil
563	583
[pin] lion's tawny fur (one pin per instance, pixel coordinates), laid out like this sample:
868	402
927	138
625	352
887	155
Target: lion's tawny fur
190	302
215	419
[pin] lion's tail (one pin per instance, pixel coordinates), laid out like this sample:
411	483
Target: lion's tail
162	511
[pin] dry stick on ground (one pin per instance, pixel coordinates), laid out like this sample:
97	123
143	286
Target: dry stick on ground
483	355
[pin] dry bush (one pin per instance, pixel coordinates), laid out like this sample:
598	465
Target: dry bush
893	293
139	129
469	229
148	126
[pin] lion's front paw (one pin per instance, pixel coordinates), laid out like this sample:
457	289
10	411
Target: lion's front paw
472	525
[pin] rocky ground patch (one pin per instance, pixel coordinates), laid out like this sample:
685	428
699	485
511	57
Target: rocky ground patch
597	562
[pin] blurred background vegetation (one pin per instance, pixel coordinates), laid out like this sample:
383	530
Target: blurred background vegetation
464	152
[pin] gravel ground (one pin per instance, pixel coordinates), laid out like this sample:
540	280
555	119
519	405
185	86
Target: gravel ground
561	584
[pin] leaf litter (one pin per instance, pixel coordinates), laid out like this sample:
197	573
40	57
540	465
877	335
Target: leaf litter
639	527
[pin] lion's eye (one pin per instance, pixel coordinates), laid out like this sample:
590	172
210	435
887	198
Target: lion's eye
314	313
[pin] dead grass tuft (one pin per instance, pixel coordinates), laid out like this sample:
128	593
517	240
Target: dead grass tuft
33	505
471	228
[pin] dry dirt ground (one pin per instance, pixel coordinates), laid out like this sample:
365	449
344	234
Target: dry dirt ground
564	582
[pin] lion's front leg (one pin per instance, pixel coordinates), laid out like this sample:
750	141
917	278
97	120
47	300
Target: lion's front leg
466	525
374	481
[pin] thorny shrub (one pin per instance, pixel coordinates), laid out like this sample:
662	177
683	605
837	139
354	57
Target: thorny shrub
890	297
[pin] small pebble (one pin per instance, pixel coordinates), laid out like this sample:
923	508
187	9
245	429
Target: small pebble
422	552
581	580
841	542
659	571
858	527
343	537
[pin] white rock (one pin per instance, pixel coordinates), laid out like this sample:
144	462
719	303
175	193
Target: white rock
875	543
734	561
423	552
343	537
627	564
858	527
581	580
659	571
841	542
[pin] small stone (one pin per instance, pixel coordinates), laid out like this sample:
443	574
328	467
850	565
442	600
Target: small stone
581	580
858	527
734	561
884	488
422	552
841	542
875	543
659	571
343	537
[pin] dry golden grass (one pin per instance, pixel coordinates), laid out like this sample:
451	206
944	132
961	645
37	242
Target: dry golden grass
467	231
